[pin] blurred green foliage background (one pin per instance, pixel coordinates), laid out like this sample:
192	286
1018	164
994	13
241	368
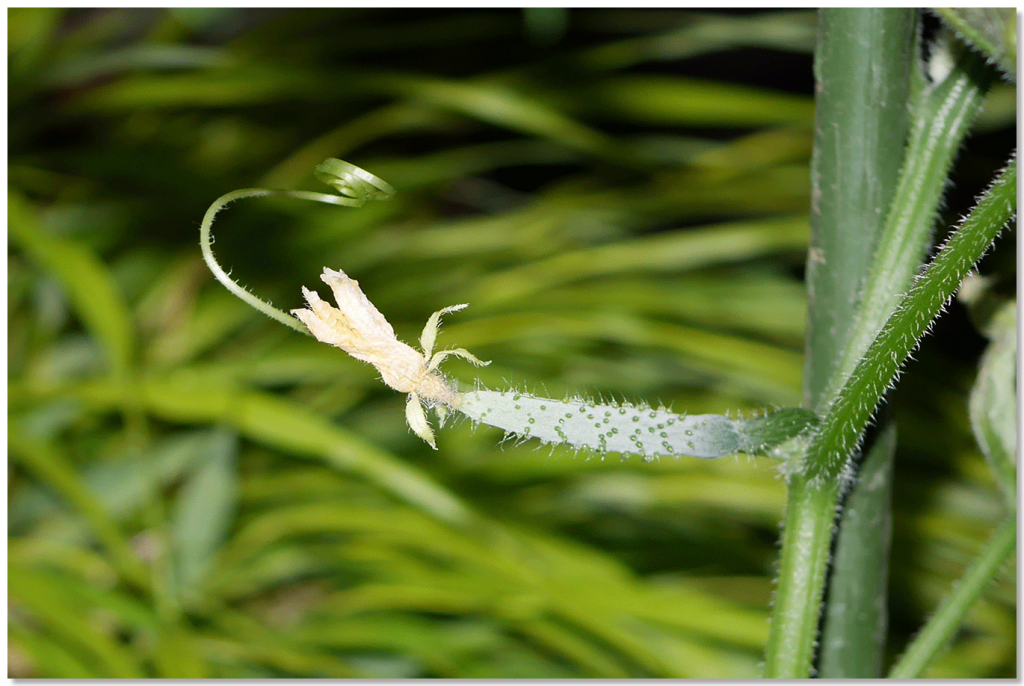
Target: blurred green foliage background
620	195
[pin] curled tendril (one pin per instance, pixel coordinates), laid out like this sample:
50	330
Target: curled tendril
352	181
354	185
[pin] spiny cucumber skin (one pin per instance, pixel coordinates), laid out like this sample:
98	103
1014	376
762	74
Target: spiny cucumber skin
604	428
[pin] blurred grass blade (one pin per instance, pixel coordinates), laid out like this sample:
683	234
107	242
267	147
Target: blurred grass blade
45	462
203	511
48	658
186	397
235	87
179	655
391	119
122	486
140	57
545	25
678	101
85	279
29	32
62	614
125	486
702	34
599	663
942	625
503	106
243	639
674	251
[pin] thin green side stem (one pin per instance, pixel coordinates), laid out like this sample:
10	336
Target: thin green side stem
942	119
355	185
206	241
842	427
943	624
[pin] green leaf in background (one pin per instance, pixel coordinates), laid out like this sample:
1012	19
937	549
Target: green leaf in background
856	618
993	400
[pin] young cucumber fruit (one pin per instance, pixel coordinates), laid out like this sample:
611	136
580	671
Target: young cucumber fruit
632	430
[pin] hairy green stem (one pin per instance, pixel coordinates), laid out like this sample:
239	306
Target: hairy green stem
206	241
807	535
862	66
841	429
990	30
